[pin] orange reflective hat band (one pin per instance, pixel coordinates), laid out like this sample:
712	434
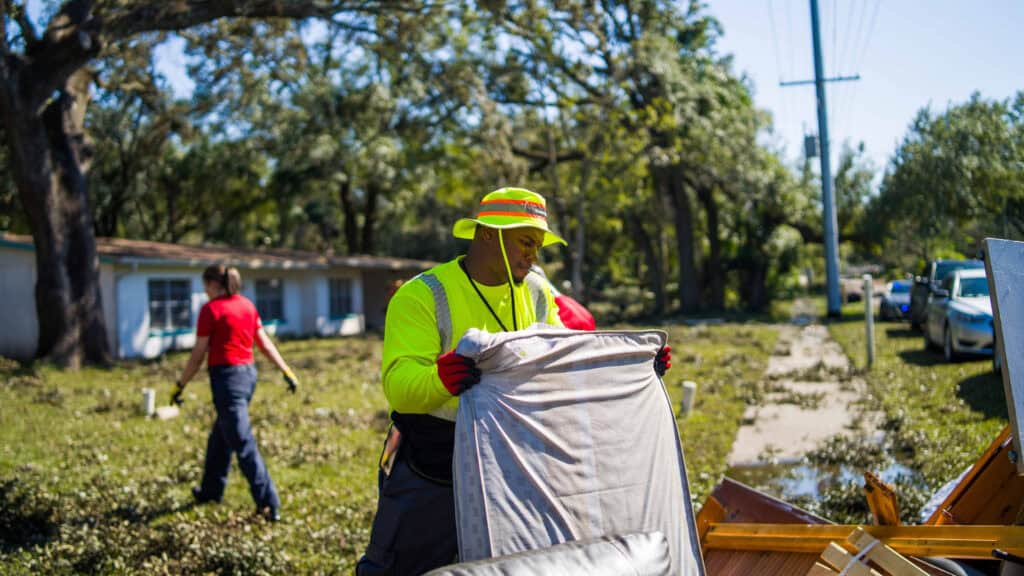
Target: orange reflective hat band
513	208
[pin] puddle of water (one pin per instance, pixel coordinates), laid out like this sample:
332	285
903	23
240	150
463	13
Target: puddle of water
797	480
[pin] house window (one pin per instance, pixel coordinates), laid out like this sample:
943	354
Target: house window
341	297
270	299
170	304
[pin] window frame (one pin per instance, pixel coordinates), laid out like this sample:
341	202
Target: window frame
261	300
171	322
333	281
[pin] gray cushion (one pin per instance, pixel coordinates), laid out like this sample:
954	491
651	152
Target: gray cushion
631	554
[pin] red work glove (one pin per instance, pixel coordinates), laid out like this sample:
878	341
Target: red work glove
457	373
663	361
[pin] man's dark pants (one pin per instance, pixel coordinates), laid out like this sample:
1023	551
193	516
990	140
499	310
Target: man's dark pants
233	387
414	529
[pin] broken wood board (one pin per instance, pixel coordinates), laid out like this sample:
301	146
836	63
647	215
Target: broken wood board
882	502
946	541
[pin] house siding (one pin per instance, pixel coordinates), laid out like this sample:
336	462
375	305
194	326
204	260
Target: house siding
20	335
135	337
124	287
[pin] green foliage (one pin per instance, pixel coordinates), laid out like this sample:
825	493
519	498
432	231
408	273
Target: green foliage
87	485
938	417
955	179
11	216
372	131
723	360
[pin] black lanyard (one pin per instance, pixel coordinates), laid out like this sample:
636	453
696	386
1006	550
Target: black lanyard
515	325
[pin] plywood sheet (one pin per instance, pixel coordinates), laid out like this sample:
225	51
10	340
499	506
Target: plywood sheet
744	563
990	494
1004	264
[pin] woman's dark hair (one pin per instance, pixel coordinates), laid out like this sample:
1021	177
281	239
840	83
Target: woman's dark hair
227	277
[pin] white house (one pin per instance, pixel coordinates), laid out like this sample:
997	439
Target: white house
152	292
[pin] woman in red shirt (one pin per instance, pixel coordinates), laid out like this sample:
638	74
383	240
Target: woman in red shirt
227	328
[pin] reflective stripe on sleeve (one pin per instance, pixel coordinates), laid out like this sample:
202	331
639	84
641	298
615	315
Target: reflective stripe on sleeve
540	301
441	310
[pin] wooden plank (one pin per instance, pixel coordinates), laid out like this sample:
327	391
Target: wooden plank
745	563
990	493
1004	266
835	556
820	569
947	541
884	556
885	509
710	513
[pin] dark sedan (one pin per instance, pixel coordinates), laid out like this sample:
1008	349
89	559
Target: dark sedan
895	303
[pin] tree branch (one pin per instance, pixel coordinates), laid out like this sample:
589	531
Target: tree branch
28	31
4	49
544	157
79	31
174	16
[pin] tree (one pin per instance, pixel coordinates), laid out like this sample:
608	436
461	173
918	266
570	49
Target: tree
643	57
955	178
44	92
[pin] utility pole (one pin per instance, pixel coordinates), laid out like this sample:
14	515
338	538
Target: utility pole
830	227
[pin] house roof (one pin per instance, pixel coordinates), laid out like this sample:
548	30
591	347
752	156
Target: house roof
128	251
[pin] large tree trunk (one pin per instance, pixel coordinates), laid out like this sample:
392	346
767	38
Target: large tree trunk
714	272
682	204
655	273
754	284
46	151
370	217
579	240
351	222
171	191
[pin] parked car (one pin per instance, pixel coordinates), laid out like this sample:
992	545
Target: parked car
851	289
895	303
924	285
959	315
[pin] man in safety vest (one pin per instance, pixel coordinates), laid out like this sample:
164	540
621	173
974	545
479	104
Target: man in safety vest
491	288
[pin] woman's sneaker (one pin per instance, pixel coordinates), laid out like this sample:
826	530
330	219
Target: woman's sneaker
200	498
269	513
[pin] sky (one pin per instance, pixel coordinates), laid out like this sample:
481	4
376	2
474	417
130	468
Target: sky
909	54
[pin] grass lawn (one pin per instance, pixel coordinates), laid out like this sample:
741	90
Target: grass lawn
938	417
89	486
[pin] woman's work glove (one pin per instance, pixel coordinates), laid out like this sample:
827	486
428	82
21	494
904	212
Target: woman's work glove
663	361
291	380
457	372
176	394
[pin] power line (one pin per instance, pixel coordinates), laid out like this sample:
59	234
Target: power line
778	61
789	26
775	39
865	45
842	93
844	52
835	37
871	30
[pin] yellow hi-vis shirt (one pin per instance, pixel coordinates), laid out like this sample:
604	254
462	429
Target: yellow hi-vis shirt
441	304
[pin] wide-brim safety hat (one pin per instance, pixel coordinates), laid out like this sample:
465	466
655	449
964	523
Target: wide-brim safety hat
509	208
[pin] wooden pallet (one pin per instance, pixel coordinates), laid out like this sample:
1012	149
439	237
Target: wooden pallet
869	557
